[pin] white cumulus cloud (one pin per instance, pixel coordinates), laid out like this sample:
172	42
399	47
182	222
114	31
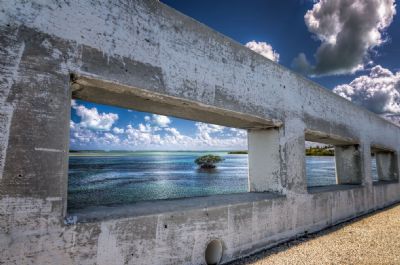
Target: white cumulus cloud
111	138
348	30
379	92
117	130
95	131
160	120
148	137
80	134
264	49
91	118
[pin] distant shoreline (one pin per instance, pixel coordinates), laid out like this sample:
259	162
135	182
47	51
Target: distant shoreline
148	151
114	153
312	151
320	151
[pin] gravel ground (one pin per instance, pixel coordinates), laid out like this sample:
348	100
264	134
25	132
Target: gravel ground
372	239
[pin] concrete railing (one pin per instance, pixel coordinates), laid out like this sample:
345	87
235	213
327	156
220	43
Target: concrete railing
146	56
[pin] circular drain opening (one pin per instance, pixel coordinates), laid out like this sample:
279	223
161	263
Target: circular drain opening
213	253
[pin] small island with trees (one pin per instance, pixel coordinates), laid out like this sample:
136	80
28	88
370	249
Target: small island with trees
238	152
208	161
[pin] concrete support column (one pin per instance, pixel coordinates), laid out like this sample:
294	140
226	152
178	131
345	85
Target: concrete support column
35	124
386	166
348	164
397	164
264	160
366	166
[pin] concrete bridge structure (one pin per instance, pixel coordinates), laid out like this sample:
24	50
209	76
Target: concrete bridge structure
146	56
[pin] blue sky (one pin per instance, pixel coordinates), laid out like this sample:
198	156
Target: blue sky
349	46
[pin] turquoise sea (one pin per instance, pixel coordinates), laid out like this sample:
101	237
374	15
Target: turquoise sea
110	178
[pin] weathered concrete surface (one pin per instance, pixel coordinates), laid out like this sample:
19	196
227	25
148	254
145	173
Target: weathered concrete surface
371	239
386	166
123	53
348	164
264	160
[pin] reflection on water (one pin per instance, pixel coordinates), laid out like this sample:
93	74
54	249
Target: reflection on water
321	170
105	179
127	177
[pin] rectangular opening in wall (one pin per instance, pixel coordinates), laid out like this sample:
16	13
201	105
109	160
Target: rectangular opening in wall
374	171
384	166
123	156
331	161
320	164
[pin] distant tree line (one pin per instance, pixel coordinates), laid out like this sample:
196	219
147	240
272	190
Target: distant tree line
320	151
311	151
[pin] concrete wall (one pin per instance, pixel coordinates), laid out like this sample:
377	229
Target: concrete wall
124	53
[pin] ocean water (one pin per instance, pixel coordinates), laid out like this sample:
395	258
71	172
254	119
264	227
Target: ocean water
127	177
320	170
374	171
110	178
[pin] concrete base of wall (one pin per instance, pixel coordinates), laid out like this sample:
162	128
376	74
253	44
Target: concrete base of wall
177	231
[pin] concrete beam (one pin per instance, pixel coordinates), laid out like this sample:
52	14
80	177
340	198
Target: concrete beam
113	93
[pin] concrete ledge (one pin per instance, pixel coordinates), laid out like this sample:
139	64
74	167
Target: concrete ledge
101	213
384	182
331	188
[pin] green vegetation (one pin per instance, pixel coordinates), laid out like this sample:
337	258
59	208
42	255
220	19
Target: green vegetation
320	151
238	152
208	161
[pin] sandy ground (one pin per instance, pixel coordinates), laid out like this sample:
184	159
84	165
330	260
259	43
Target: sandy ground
372	239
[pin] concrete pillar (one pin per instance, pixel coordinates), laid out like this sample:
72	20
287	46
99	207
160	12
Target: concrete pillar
34	152
348	164
386	166
264	160
397	164
366	167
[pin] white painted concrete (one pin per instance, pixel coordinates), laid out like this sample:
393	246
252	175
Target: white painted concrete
264	161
